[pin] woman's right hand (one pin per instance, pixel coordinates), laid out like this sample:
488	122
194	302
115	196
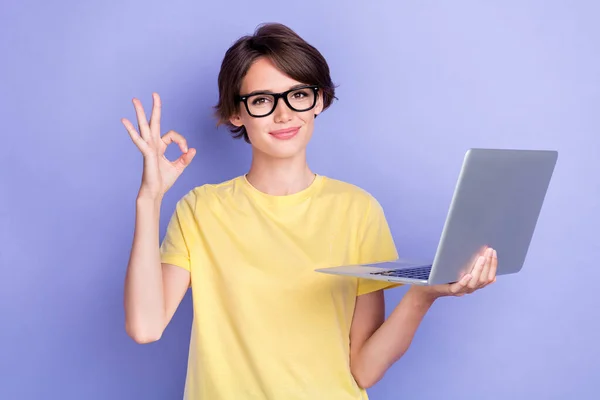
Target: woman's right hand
159	173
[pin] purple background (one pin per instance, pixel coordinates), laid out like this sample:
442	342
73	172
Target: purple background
420	82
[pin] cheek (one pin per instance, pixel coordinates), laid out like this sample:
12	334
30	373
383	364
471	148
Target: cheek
307	118
256	126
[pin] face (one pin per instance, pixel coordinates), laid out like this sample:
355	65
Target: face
285	133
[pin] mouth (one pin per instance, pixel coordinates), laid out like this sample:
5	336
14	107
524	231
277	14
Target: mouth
285	134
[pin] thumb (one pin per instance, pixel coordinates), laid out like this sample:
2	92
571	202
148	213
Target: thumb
456	287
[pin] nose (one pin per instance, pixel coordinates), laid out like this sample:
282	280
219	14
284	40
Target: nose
282	112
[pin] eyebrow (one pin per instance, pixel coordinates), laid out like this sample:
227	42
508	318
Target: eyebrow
271	92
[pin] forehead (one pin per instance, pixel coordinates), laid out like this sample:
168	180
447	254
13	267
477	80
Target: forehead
264	75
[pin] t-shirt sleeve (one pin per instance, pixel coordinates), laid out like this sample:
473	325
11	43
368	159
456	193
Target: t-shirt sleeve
174	248
376	245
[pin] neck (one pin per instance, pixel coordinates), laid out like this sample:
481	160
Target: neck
279	176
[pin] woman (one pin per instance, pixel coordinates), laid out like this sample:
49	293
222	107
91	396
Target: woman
266	326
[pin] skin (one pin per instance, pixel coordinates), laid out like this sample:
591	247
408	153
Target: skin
278	167
153	290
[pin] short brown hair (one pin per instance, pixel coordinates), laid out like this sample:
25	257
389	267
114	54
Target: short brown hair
287	50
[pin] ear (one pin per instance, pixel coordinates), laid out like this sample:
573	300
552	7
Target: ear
236	120
319	106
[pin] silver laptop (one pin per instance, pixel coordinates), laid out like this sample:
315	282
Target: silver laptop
496	202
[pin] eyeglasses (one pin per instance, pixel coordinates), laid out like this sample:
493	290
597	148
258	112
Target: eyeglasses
298	99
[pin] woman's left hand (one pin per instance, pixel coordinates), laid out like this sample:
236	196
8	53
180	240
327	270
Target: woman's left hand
482	274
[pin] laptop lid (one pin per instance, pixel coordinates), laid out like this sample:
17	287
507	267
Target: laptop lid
496	202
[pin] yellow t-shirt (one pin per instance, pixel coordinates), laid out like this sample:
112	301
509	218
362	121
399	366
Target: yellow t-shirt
266	326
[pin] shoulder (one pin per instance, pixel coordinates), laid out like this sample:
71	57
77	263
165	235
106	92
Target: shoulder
348	192
210	193
353	204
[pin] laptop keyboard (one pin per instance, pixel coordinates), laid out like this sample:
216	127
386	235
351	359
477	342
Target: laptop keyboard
421	273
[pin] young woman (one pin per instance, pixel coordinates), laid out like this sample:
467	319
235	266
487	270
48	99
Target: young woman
266	326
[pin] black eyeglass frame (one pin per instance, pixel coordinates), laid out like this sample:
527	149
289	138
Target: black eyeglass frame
277	96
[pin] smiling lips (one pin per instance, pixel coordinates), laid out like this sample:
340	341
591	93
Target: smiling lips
285	134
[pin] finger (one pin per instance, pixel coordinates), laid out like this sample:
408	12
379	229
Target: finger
473	260
155	117
174	137
458	288
483	278
141	119
134	135
493	268
476	273
185	159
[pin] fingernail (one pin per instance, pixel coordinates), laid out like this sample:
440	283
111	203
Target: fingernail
495	253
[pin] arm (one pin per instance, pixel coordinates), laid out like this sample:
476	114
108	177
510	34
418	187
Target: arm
153	291
374	344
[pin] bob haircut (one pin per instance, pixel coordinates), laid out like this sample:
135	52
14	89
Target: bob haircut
287	50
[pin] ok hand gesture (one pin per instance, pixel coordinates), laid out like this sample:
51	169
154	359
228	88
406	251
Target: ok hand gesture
159	173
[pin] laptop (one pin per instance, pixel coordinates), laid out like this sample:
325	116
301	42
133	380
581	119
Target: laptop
496	202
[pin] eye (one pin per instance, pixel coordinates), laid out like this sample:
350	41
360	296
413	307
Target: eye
299	94
260	100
